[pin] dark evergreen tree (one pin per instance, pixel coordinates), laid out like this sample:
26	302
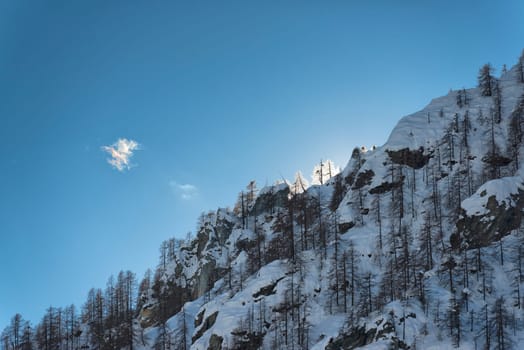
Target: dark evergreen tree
500	318
520	68
497	101
486	80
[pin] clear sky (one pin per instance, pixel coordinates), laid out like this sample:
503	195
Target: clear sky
215	93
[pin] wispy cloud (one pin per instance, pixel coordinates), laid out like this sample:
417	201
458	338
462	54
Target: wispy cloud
185	191
121	152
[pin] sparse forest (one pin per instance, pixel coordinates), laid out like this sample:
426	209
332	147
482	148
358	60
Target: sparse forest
414	243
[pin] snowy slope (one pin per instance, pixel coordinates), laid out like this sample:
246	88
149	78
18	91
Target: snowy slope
415	244
376	267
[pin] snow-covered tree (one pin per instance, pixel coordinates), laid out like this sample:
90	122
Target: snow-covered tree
324	171
299	185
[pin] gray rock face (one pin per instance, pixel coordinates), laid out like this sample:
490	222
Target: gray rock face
223	226
215	342
359	336
208	323
204	280
482	230
386	186
413	158
363	179
178	285
267	202
356	338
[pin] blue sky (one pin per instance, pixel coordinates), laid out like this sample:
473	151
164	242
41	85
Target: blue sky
216	93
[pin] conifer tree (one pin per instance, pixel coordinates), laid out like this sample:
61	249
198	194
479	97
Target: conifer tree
520	68
485	80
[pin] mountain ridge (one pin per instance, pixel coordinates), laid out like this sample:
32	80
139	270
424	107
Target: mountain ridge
416	243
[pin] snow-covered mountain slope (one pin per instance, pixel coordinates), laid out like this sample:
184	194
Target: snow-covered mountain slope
414	244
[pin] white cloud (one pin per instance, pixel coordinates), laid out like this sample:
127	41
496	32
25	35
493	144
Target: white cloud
185	191
121	152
